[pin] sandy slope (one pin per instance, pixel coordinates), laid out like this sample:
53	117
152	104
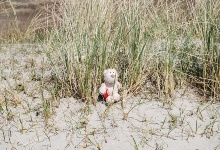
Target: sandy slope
145	123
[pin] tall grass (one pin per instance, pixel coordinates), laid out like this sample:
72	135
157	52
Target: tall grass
24	22
163	43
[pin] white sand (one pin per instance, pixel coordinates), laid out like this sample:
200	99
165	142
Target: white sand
186	125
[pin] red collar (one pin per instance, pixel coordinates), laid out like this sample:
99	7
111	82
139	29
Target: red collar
106	94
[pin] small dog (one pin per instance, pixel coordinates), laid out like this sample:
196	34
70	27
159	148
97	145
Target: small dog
109	89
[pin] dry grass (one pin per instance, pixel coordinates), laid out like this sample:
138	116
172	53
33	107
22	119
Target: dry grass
168	44
25	21
156	46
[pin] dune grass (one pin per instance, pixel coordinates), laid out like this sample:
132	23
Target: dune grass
157	46
23	22
168	43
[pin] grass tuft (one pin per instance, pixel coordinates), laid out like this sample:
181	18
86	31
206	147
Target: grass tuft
144	41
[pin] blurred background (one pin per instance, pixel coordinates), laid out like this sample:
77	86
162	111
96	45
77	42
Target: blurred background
20	18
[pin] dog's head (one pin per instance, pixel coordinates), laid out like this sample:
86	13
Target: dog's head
110	75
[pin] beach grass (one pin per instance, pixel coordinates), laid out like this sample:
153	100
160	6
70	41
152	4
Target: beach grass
166	43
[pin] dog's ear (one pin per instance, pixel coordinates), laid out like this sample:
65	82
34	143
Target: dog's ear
105	71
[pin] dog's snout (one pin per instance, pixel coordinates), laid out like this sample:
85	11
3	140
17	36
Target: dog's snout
112	75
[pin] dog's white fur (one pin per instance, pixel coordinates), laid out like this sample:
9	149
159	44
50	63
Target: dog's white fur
111	83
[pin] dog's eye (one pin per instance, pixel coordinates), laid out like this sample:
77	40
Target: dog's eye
110	72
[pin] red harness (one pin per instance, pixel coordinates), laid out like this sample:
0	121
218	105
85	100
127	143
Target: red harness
106	94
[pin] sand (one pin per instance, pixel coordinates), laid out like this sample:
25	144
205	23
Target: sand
145	123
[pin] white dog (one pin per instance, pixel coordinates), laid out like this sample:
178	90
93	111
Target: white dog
109	89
